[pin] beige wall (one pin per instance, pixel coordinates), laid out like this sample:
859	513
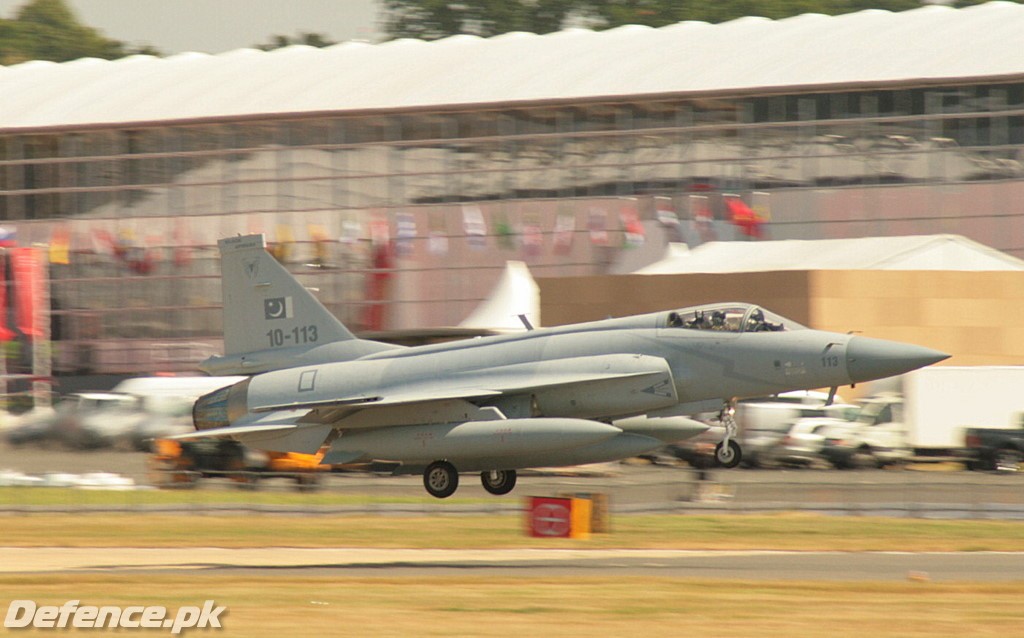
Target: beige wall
978	317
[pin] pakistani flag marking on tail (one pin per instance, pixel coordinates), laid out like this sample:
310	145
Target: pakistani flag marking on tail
278	308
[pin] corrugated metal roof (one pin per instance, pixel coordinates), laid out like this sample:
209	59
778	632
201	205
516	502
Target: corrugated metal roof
927	44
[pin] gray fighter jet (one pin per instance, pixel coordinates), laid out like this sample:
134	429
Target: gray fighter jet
568	395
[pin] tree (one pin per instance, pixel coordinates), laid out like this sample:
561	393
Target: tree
309	39
49	30
433	19
658	13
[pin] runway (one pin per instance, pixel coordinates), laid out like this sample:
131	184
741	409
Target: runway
533	563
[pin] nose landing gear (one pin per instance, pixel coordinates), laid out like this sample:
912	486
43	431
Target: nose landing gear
728	453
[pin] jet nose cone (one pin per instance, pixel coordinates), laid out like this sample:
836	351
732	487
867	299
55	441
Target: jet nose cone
868	359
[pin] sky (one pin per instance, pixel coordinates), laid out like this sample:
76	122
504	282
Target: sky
213	26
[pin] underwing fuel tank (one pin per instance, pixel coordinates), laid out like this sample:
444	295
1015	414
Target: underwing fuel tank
513	440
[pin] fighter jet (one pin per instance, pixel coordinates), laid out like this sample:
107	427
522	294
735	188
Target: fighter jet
560	396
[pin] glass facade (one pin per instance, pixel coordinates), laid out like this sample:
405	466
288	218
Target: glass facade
405	219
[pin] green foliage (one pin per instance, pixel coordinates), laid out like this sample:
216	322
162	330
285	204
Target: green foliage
49	30
433	19
309	39
969	3
661	12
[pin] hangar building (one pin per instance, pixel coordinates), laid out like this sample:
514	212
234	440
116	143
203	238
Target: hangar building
399	177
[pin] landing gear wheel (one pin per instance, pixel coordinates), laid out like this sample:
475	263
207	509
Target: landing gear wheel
498	482
728	454
441	479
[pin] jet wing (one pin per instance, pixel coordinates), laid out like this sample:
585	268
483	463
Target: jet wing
415	394
640	383
232	430
283	431
492	382
614	378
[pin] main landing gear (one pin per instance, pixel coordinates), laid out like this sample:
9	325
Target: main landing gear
441	479
728	453
498	482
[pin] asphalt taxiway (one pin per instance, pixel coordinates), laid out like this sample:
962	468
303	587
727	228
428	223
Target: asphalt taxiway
533	563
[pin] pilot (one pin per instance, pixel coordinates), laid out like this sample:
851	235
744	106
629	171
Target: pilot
674	320
718	320
756	321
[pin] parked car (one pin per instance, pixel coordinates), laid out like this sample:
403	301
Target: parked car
996	449
802	444
871	436
764	423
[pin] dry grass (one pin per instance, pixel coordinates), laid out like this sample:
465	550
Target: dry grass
475	606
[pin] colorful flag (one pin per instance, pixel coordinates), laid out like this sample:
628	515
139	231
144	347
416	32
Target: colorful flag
27	297
438	238
633	230
702	219
351	232
565	229
506	233
597	225
665	212
405	233
474	226
103	243
533	236
318	236
8	237
380	231
743	217
282	248
60	245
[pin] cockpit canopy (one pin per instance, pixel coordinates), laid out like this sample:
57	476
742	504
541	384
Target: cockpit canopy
731	317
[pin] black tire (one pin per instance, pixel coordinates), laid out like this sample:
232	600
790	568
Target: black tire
441	479
498	482
728	457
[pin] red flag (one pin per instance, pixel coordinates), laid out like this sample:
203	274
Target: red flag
378	287
25	267
742	216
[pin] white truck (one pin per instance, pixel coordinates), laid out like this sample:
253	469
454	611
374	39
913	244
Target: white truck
928	420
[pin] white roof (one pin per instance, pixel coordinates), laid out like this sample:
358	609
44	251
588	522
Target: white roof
930	43
923	252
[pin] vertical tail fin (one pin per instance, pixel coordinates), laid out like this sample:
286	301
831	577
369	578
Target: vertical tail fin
265	307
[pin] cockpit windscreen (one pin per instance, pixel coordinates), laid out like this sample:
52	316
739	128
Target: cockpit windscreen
730	318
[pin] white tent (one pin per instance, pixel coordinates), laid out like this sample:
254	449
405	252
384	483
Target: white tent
922	252
516	293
